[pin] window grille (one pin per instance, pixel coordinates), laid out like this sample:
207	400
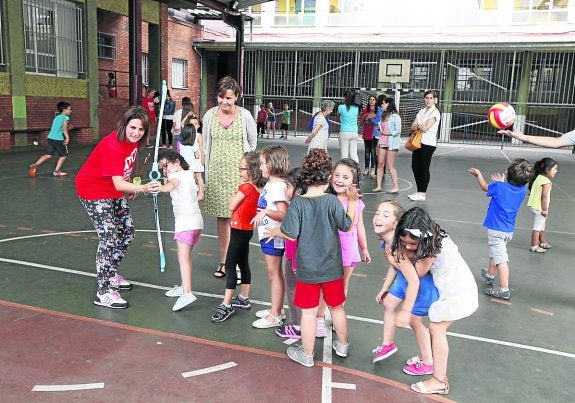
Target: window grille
106	46
179	73
53	37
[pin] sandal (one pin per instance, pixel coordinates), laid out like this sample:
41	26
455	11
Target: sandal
420	387
220	271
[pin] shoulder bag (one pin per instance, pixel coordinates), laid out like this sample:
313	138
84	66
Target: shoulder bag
414	141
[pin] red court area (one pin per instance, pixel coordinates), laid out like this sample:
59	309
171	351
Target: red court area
43	349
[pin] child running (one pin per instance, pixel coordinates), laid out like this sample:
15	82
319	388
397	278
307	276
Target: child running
418	238
291	330
190	145
244	207
188	219
539	200
272	207
313	219
58	140
397	283
506	199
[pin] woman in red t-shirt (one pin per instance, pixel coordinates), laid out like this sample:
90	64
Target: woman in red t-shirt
101	185
369	142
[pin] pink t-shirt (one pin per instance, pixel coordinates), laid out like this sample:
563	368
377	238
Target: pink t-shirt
383	138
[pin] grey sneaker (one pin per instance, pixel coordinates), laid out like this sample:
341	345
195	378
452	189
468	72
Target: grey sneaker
340	348
237	302
497	293
297	354
488	280
222	313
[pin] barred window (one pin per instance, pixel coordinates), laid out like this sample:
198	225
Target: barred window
106	46
179	73
53	37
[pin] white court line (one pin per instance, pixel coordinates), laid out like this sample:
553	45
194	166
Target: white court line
209	370
348	386
505	155
449	152
66	388
357	318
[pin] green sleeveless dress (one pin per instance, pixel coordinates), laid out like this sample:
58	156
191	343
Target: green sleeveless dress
227	148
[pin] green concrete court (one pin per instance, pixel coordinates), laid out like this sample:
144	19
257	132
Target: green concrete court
521	351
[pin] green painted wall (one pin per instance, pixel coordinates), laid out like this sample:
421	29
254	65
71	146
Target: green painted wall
150	9
46	86
5	84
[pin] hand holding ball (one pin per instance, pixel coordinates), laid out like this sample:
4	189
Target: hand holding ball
501	115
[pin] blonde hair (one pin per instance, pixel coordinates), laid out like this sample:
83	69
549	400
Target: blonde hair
398	209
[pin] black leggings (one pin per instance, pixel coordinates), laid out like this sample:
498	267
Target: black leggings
238	253
167	130
420	162
370	148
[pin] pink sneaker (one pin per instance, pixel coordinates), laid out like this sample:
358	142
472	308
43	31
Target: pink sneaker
382	352
418	368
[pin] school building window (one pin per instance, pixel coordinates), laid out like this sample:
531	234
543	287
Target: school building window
53	37
179	73
106	46
145	79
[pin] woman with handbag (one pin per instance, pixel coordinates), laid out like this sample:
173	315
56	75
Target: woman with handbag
427	120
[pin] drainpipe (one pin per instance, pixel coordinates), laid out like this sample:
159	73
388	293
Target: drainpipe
201	79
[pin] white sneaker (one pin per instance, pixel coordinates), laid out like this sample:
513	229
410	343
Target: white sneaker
265	312
177	291
417	196
183	301
321	329
111	299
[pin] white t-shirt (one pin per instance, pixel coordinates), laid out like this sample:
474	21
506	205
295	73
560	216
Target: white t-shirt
272	193
570	136
187	212
189	154
430	136
321	137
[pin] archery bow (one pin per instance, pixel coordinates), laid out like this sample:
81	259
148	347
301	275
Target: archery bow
155	176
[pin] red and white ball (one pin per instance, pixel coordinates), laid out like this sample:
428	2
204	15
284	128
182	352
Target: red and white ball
501	115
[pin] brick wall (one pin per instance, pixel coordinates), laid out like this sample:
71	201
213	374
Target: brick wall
6	119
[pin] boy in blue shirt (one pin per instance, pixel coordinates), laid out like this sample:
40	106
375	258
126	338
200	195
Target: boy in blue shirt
506	199
58	139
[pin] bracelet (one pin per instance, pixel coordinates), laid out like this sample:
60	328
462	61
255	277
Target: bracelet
135	190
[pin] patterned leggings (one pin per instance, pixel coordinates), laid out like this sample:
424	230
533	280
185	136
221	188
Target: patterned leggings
115	228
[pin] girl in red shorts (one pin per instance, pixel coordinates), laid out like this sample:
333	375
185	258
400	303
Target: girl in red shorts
314	219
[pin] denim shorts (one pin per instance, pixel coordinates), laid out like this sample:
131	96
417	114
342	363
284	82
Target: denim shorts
498	241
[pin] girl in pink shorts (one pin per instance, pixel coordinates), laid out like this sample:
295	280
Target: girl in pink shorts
183	190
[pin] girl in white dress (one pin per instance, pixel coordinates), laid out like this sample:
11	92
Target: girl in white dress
417	232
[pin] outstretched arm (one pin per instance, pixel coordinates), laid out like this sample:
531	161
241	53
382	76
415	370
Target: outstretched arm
542	141
477	173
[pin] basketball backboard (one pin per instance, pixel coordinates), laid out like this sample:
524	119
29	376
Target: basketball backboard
394	70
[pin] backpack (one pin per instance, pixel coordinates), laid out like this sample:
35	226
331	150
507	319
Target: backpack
310	124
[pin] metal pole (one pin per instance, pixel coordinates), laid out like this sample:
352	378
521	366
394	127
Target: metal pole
135	38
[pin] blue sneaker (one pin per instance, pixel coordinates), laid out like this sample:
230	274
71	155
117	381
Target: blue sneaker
222	313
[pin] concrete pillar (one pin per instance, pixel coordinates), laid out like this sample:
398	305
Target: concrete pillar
447	97
14	14
92	77
523	94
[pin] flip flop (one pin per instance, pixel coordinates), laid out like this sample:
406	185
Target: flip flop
220	271
392	193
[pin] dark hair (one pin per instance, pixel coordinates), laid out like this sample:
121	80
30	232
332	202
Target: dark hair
353	166
519	172
188	135
172	156
431	234
391	108
227	83
252	159
292	178
368	107
348	95
134	112
433	92
277	159
541	167
62	106
316	168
